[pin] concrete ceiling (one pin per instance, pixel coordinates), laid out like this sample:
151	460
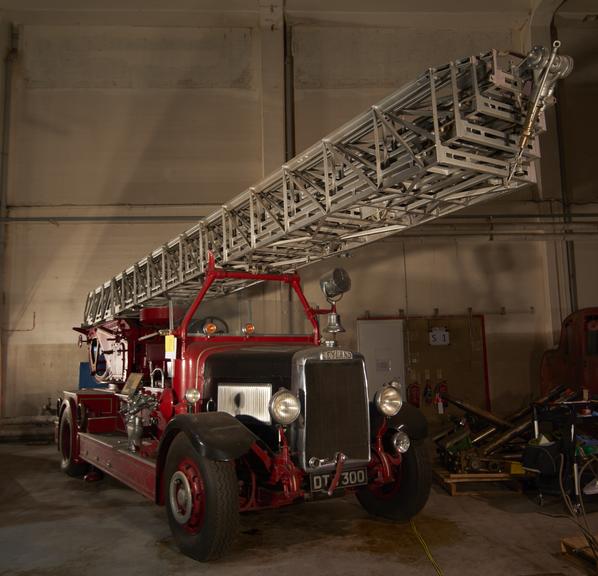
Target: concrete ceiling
454	6
455	14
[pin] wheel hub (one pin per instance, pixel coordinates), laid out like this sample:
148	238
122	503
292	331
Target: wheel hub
181	497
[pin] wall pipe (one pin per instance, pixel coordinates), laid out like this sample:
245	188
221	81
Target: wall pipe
289	93
565	198
9	61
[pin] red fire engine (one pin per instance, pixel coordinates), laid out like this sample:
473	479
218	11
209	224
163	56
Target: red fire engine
218	403
211	416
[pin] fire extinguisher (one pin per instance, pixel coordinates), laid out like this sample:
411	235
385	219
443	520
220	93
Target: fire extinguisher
439	391
428	394
413	394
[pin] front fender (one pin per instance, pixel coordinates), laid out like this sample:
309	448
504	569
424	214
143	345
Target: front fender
409	417
215	435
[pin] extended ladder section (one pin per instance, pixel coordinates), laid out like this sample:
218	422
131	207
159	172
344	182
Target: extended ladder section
459	134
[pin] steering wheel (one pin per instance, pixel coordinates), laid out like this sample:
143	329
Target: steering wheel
197	325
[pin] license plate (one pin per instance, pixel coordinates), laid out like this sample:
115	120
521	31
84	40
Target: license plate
349	478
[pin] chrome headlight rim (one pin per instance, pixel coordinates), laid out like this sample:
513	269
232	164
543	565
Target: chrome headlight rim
389	400
284	407
400	441
192	395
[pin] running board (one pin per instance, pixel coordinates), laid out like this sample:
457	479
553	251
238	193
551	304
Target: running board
109	454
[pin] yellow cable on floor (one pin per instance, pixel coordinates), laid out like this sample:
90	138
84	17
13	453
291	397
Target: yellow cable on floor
426	549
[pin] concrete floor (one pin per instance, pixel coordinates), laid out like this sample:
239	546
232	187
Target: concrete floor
54	525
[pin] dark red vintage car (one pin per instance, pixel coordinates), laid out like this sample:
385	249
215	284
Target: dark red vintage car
574	364
223	405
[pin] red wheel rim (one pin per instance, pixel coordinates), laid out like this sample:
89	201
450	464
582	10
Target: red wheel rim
187	496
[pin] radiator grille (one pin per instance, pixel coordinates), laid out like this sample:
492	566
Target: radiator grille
245	400
336	411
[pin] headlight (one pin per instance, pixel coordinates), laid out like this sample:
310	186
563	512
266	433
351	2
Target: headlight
400	442
284	407
192	395
389	400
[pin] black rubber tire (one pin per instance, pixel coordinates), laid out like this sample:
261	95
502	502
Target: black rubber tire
65	446
221	512
415	483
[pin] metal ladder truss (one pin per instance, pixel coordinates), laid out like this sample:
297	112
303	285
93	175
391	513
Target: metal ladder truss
439	144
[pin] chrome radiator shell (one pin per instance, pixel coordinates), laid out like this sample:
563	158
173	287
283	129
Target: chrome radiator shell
321	425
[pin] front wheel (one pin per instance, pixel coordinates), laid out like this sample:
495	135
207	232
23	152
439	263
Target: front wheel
408	494
202	501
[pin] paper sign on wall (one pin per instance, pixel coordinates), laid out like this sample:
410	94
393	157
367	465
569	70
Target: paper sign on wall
439	336
383	359
170	347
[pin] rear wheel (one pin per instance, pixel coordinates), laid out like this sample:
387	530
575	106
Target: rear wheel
202	501
66	433
408	494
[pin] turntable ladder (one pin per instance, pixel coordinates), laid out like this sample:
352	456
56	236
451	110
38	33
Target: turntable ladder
459	134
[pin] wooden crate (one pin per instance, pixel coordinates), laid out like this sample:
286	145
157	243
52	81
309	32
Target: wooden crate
451	482
576	549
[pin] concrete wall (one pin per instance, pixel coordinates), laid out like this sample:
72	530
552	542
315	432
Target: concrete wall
159	112
333	84
110	120
134	115
418	277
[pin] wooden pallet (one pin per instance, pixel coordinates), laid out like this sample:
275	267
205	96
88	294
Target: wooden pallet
451	482
576	549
